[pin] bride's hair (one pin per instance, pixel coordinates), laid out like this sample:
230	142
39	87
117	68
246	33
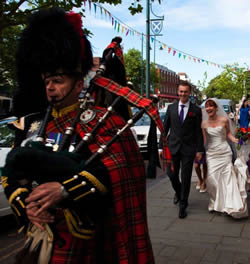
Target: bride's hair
211	103
220	111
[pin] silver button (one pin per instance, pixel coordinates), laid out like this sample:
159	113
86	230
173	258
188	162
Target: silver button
92	190
84	183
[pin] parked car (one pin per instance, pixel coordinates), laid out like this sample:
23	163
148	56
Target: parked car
6	141
141	128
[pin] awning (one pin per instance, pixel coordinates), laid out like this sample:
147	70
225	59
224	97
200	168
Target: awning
168	96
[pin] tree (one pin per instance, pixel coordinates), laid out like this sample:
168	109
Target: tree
7	59
15	12
133	66
229	84
13	17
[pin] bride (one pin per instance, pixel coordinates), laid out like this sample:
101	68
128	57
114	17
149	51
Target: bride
226	184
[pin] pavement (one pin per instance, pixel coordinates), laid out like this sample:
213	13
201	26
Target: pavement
202	237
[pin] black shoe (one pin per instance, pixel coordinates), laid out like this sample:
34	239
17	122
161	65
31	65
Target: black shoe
182	212
176	199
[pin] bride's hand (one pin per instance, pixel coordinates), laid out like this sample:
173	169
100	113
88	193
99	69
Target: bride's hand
236	140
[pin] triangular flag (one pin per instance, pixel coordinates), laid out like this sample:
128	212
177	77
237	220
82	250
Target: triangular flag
169	49
95	7
127	32
112	21
101	10
174	52
118	29
199	60
152	39
179	54
115	24
89	5
184	57
194	59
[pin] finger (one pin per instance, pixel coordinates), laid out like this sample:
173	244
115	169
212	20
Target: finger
44	207
41	220
34	204
35	197
38	225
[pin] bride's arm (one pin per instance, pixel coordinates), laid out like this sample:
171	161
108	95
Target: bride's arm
229	133
204	133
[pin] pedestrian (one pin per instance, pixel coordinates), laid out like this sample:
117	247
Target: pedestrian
185	143
244	114
97	212
201	173
226	183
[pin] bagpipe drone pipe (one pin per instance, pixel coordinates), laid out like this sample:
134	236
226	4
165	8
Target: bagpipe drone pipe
45	165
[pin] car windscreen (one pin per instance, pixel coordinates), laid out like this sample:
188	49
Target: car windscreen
144	121
226	108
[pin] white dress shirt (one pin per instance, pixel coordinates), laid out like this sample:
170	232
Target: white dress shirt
185	109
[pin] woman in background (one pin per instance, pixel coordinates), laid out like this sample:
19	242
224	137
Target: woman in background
244	114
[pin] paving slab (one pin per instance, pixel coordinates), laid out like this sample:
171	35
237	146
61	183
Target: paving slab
202	237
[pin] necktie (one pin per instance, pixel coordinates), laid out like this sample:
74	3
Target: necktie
182	113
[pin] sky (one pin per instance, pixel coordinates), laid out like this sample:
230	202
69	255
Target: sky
213	30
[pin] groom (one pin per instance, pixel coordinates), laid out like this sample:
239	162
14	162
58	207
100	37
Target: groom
185	142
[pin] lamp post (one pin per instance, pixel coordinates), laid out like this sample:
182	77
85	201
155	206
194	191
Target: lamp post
156	28
147	50
142	66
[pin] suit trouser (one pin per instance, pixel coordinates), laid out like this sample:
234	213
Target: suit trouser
182	188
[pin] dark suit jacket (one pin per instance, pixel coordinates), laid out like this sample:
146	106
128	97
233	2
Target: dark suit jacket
187	137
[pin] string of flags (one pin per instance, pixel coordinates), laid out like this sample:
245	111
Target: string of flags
122	28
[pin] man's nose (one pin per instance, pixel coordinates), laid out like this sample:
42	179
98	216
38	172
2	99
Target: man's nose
49	85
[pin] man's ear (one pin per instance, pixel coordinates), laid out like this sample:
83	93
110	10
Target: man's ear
79	85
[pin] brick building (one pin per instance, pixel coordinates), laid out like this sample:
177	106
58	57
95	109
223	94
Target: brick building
167	88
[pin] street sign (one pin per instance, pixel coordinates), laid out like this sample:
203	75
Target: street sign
156	26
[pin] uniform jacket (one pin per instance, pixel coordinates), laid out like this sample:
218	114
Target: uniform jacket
120	232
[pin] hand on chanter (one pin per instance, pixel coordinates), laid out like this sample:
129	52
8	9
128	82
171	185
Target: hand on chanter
39	220
44	196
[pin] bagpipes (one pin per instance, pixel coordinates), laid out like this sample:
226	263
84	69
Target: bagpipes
63	163
38	163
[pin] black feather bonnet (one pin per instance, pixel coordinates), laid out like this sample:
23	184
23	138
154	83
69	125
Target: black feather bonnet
53	40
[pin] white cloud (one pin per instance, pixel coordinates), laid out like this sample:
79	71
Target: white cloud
205	14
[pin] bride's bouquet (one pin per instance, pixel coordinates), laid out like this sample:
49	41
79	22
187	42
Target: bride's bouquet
241	134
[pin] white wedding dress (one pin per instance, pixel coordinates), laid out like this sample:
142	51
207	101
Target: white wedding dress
226	183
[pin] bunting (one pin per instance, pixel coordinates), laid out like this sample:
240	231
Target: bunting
122	28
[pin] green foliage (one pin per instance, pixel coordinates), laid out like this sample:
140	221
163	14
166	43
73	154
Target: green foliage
13	16
133	65
15	12
7	59
247	84
6	136
229	84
